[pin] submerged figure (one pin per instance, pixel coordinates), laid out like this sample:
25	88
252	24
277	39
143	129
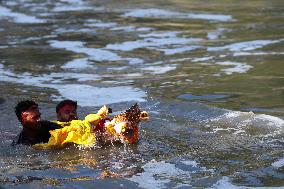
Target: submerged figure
98	127
124	127
34	129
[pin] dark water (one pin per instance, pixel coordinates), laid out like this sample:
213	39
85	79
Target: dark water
210	73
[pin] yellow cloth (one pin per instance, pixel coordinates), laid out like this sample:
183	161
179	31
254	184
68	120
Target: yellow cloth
62	124
75	131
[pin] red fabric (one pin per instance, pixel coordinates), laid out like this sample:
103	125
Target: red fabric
100	127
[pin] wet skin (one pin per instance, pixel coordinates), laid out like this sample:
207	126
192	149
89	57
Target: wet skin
31	118
67	113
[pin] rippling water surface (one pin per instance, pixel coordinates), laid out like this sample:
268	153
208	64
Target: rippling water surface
210	73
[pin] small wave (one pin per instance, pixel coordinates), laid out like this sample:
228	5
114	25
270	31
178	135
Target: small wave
249	123
92	53
158	174
19	17
100	24
85	95
159	69
225	183
73	30
245	46
209	97
201	59
160	13
257	53
177	173
159	42
279	163
73	5
80	63
113	26
215	34
180	50
238	67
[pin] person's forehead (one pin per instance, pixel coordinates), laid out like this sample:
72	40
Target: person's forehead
30	112
68	106
32	109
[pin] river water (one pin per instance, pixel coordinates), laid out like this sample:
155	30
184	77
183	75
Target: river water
210	73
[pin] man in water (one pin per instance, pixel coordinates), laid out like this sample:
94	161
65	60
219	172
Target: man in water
34	129
66	111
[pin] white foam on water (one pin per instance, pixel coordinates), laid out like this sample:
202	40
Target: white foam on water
149	42
32	39
124	28
190	162
41	80
152	13
266	125
270	121
78	47
157	174
211	17
160	42
70	75
133	61
160	13
125	76
215	34
196	165
102	25
113	26
77	5
202	59
145	29
167	42
180	50
81	30
180	59
80	63
66	8
118	68
77	2
19	17
21	41
225	183
238	67
131	29
92	53
256	53
11	3
85	95
160	34
279	163
245	46
160	69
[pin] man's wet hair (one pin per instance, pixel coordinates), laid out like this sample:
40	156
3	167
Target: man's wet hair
23	106
65	102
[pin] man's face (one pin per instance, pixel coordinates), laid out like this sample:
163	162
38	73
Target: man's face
67	113
31	118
